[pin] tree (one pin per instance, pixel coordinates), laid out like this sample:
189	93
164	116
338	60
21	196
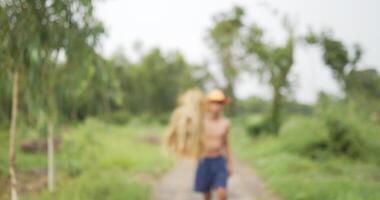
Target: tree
336	55
361	86
224	38
54	36
274	62
35	34
14	41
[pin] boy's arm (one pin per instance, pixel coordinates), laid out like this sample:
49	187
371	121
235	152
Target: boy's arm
228	148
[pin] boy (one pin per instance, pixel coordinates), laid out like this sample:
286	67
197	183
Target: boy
214	166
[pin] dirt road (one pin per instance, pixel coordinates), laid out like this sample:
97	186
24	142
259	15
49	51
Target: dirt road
243	185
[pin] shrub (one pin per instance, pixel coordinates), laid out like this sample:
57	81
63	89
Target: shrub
253	124
257	125
318	138
118	117
306	136
163	118
344	127
344	137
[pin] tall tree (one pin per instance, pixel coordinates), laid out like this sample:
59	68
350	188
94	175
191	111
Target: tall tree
15	42
55	37
275	63
224	37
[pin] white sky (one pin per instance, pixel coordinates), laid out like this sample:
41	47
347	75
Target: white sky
182	25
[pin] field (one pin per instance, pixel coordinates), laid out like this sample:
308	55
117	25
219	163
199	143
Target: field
100	160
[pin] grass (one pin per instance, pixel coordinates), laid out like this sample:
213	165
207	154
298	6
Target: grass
100	161
103	161
294	176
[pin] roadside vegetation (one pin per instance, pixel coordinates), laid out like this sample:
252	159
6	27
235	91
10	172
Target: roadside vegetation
96	160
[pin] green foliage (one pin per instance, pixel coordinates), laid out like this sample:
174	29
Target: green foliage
365	83
223	37
335	55
101	87
98	186
340	58
153	83
344	127
53	46
260	123
226	29
304	136
98	160
257	125
44	41
253	124
293	107
117	117
4	137
260	106
275	62
344	138
319	139
285	163
363	92
253	105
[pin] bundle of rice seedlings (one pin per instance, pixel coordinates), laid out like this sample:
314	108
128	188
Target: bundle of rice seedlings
184	132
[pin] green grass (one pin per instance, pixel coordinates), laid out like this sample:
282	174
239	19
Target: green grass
294	176
101	161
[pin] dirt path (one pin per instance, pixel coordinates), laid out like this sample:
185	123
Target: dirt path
243	185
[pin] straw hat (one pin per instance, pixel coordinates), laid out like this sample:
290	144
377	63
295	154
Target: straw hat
217	95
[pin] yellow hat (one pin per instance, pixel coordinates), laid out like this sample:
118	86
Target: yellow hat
217	95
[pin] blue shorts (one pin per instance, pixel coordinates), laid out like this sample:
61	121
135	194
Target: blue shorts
211	173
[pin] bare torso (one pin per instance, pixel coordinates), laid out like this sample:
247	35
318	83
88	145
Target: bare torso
214	138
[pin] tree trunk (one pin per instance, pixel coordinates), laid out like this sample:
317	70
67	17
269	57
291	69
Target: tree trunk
50	152
12	138
50	137
231	94
276	109
230	74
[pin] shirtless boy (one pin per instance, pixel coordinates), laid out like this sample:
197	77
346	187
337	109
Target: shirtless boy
214	166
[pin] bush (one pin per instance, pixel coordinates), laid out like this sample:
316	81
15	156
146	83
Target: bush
318	138
118	117
257	125
371	138
163	118
306	136
344	127
253	124
344	138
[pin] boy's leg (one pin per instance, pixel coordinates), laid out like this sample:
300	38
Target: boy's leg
207	195
221	193
220	181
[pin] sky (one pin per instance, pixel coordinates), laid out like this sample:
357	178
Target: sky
182	25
